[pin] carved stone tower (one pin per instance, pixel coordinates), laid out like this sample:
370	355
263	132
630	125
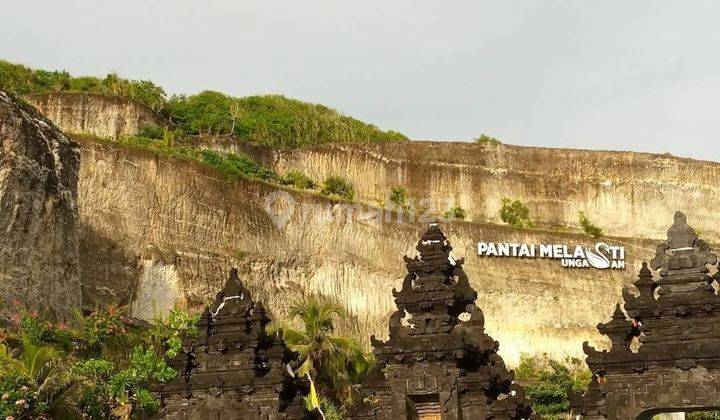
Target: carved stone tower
677	320
435	365
234	369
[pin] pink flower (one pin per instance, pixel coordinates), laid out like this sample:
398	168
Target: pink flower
62	326
34	314
15	302
9	418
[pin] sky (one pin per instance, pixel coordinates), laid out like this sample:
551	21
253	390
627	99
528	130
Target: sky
611	75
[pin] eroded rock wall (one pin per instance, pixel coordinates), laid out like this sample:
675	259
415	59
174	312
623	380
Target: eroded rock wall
99	115
625	193
39	262
168	230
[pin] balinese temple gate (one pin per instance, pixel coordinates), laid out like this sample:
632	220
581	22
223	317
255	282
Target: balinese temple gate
435	366
676	317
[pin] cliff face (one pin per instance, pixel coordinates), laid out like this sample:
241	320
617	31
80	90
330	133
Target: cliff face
159	232
39	264
94	114
625	193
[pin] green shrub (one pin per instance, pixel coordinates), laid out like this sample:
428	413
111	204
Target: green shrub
484	139
101	362
22	80
588	227
233	164
549	382
455	213
399	198
152	132
273	120
298	180
515	213
339	187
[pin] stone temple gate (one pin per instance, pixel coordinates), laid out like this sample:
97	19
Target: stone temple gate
235	369
676	318
436	366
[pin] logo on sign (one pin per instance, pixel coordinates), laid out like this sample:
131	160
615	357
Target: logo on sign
601	256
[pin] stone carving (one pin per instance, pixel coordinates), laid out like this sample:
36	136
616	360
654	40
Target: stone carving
434	365
234	368
676	319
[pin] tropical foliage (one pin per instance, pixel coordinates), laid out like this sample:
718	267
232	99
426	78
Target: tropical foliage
270	119
100	366
335	364
549	382
515	213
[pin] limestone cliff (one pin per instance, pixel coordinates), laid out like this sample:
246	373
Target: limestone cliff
156	232
159	232
39	264
94	114
625	193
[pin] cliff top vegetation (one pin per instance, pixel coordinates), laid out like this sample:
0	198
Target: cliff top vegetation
273	120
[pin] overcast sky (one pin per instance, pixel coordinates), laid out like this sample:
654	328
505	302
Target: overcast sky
621	75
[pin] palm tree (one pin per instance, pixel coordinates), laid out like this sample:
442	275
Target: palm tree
47	370
336	364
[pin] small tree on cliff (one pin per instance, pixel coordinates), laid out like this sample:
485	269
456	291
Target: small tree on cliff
515	213
335	363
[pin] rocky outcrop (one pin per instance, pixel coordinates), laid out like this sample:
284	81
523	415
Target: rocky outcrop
94	114
159	232
39	265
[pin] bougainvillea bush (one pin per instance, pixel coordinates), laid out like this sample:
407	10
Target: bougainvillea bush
101	365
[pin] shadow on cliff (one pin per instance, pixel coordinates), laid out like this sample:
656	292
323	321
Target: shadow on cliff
108	274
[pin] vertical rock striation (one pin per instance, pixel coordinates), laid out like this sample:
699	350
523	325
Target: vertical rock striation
95	114
39	262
